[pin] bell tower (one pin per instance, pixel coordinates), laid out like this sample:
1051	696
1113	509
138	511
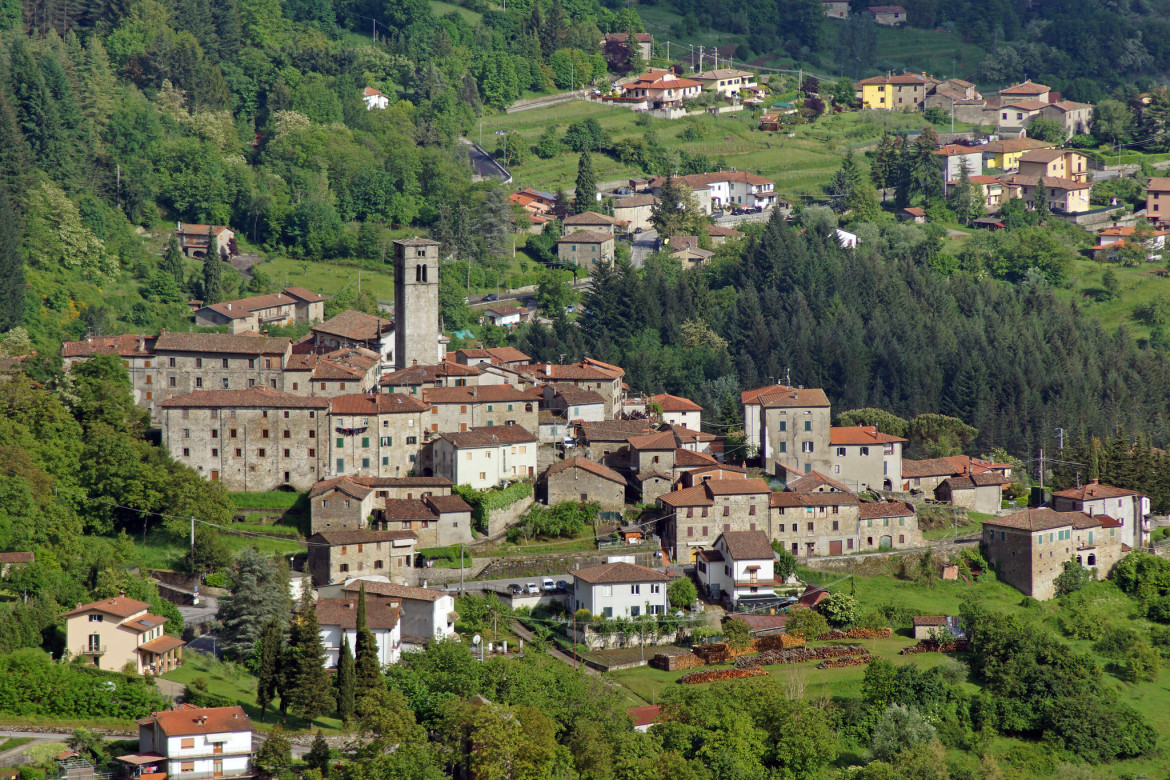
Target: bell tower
416	302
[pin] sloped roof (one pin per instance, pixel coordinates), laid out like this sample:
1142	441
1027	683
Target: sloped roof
860	434
489	436
789	499
578	462
473	394
736	487
634	201
588	218
813	481
119	606
396	591
360	537
689	458
976	480
343	612
243	307
1014	145
1042	519
692	496
618	572
1051	182
124	346
1043	155
748	545
357	484
875	509
354	326
1029	87
249	398
226	343
422	375
200	720
1093	491
585	237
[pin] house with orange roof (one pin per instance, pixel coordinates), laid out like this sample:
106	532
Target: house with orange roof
1028	90
1128	507
661	89
675	410
1110	240
725	189
954	157
981	492
374	99
696	516
251	315
199	240
896	92
192	742
1029	549
1158	200
119	633
887	15
991	191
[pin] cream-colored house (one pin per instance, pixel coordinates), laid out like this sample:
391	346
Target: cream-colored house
121	633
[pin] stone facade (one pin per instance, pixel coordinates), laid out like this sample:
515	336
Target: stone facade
865	457
454	409
250	440
436	521
795	430
348	503
375	435
697	515
1028	549
416	303
888	525
250	315
137	354
335	556
818	523
977	492
582	480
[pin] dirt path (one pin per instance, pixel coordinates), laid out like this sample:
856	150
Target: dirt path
554	651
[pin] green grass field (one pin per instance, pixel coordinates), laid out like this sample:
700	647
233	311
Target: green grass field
1138	285
439	8
799	165
330	278
164	550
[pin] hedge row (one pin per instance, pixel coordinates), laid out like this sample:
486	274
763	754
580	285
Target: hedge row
485	502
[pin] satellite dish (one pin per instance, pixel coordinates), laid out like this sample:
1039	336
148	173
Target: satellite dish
475	640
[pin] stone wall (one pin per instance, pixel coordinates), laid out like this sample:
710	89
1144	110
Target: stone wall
500	519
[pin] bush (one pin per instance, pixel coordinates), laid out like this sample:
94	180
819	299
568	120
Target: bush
564	521
841	609
483	502
807	624
446	557
1073	578
218	579
952	670
1142	663
1116	641
899	728
682	592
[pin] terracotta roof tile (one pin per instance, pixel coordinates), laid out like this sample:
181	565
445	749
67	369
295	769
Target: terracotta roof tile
572	394
976	480
404	592
1095	490
689	458
618	572
1012	145
380	612
748	545
692	496
860	434
585	237
119	606
634	201
813	482
251	398
736	487
585	464
470	394
489	436
355	326
243	307
334	538
674	403
1042	519
447	504
376	403
129	345
874	509
369	483
201	720
17	557
1027	88
224	343
813	499
589	218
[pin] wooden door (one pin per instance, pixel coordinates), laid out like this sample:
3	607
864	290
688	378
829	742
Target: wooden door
217	768
835	548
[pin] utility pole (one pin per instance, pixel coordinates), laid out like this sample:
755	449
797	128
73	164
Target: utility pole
461	570
668	51
192	538
692	55
700	58
1041	475
1060	438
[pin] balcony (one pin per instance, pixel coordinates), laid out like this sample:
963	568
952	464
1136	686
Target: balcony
213	775
95	650
183	755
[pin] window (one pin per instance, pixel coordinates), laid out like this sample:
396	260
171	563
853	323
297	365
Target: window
690	531
783	446
199	381
343	567
198	362
635	590
251	362
340	442
865	450
214	452
341	465
365	441
365	463
808	425
806	446
312	434
312	453
239	452
726	511
186	433
214	433
171	382
840	452
752	509
607	590
385	460
705	533
836	525
171	362
262	452
95	618
187	743
412	440
186	453
286	453
810	527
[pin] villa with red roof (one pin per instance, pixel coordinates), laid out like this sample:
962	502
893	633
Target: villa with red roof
251	315
662	89
120	632
1128	507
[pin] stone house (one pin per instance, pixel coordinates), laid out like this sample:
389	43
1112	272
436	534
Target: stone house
720	235
187	362
923	476
651	485
887	15
338	619
499	356
585	249
250	440
588	374
251	315
436	521
645	42
740	565
138	358
1028	549
200	240
574	403
118	632
602	441
349	503
453	409
1074	117
580	479
357	329
864	456
634	211
335	556
1064	196
928	626
890	525
835	9
416	379
504	316
821	522
1128	507
590	221
342	371
484	457
977	492
619	590
9	560
426	614
791	426
695	516
375	434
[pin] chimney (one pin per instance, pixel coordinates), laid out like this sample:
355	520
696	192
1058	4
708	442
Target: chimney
229	307
548	369
142	343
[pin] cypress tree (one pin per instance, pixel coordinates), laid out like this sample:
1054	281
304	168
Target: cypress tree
586	193
368	674
309	689
269	672
172	262
345	681
212	278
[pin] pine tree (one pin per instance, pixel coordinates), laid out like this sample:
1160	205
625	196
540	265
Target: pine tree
881	169
99	86
1040	199
368	674
212	278
586	193
965	198
552	31
345	681
258	594
903	169
309	689
11	265
318	755
172	262
268	673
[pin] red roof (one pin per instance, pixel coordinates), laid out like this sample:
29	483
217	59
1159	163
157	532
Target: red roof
644	716
860	434
1093	491
119	606
375	403
251	398
674	403
200	720
129	345
585	464
1027	88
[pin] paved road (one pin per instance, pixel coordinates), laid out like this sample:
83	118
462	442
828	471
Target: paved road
484	165
204	613
205	644
554	651
642	245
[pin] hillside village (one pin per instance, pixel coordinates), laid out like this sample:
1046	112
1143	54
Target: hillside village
511	391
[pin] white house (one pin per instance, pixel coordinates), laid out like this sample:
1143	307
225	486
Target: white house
848	240
374	99
1129	507
725	189
504	316
193	742
679	411
485	456
740	563
424	613
954	157
338	618
573	403
620	590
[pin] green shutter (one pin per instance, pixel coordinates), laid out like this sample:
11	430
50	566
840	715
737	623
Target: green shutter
340	442
365	441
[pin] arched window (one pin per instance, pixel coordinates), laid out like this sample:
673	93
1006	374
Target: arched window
418	273
528	407
424	273
1092	559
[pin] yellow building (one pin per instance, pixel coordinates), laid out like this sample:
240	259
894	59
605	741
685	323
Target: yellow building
120	633
895	93
1006	154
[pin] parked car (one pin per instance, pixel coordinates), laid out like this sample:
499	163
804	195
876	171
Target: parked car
737	211
562	585
533	590
490	297
717	214
547	585
570	308
515	589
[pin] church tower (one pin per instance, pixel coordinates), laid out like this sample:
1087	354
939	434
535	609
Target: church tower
416	302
